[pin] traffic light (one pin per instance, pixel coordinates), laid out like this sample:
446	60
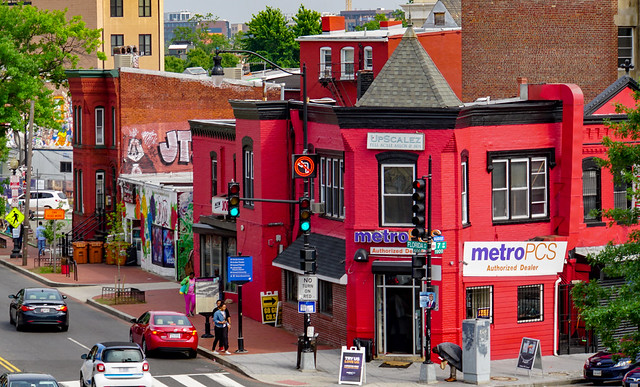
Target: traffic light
233	199
304	206
419	208
418	270
308	260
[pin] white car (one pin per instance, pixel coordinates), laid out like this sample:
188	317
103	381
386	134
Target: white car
115	364
44	199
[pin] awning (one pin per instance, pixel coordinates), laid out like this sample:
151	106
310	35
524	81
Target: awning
586	250
207	229
330	258
391	267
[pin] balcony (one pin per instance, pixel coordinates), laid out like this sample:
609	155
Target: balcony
336	72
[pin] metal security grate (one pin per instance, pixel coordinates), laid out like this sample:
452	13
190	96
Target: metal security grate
530	303
480	302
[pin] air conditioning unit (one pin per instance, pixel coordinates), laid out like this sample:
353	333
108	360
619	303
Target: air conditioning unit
317	208
122	60
233	72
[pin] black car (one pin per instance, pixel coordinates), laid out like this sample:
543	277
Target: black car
27	379
39	306
632	378
607	367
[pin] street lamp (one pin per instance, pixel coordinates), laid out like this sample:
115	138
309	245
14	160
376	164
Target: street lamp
217	75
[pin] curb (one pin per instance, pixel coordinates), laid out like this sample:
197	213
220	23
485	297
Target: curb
38	277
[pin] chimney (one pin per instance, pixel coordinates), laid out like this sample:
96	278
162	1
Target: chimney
390	24
331	24
524	91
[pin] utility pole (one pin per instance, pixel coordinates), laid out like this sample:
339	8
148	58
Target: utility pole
27	195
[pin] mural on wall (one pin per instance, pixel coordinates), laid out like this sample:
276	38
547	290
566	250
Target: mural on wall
47	137
184	247
154	148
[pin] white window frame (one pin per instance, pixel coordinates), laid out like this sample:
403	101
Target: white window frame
624	37
99	120
249	181
347	63
508	192
325	67
100	190
383	196
476	301
464	191
368	58
540	293
330	186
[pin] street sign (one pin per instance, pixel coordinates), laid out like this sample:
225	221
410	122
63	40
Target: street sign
53	214
304	166
417	245
14	217
307	288
437	238
269	302
306	306
240	268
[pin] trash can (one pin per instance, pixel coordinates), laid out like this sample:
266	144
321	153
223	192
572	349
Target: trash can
95	252
80	252
367	344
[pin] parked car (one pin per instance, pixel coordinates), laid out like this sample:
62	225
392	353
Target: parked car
115	364
45	199
164	331
38	306
607	367
632	378
27	379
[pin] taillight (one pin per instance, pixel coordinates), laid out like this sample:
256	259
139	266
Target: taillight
154	332
145	366
25	308
61	308
100	367
194	333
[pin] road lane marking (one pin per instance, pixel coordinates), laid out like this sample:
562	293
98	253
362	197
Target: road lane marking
80	344
224	380
5	363
157	383
187	381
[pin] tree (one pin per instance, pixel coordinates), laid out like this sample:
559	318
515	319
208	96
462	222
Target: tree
307	22
604	308
36	47
270	36
173	64
399	14
373	24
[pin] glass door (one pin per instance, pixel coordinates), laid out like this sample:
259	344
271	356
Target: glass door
398	315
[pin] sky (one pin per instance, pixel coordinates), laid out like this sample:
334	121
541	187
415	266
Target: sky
240	11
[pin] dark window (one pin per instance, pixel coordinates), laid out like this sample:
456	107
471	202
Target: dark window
325	297
591	195
113	127
65	166
144	45
530	303
332	186
438	18
621	199
291	286
214	174
397	189
144	8
116	41
625	45
116	8
247	171
464	188
99	125
77	125
480	302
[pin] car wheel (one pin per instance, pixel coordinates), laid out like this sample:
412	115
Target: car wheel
193	354
93	382
11	319
144	347
18	325
64	328
81	380
130	337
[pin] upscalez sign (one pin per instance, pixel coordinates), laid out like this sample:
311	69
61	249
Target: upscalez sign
486	259
397	141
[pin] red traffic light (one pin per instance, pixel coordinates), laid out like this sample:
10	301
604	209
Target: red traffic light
234	188
419	184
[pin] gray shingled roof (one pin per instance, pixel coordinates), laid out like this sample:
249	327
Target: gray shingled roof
330	257
409	79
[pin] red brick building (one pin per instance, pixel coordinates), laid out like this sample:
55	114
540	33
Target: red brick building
510	207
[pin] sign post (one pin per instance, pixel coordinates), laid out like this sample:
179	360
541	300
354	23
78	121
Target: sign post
240	271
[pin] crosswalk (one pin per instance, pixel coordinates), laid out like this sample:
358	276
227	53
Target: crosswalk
188	380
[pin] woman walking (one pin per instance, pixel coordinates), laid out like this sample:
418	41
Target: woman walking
188	287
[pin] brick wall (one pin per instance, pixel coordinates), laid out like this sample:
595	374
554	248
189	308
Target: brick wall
542	40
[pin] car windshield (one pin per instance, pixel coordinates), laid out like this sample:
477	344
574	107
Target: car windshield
35	383
42	295
171	320
122	355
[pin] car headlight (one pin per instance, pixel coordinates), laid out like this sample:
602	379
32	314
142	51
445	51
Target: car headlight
622	363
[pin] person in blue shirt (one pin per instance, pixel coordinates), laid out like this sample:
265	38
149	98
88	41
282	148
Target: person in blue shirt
42	240
221	330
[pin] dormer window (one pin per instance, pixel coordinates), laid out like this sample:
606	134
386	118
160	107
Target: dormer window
438	18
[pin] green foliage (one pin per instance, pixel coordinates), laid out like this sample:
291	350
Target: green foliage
115	222
36	47
603	309
373	24
173	64
269	35
307	22
399	14
52	230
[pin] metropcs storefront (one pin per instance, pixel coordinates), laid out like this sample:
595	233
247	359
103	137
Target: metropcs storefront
514	284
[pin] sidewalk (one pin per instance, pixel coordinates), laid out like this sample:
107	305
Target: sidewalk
271	356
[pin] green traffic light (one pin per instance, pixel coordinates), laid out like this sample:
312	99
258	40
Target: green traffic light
305	226
234	212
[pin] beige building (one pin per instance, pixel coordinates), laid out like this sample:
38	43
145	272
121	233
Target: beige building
627	22
138	23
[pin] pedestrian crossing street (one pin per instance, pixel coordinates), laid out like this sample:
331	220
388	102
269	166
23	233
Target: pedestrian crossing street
188	380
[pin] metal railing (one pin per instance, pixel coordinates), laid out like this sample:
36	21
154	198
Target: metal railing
123	295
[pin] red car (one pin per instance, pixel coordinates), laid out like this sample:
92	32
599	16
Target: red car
164	331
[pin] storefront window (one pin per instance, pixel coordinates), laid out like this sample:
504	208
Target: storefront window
530	303
325	297
213	248
291	286
480	302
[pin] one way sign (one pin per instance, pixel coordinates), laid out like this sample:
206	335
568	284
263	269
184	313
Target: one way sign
269	307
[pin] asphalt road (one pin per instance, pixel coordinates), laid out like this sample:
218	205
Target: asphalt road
58	353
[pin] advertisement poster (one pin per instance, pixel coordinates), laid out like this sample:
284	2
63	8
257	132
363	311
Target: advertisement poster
529	356
156	245
352	366
207	291
169	258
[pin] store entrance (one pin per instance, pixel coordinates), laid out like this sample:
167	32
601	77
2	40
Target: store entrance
398	315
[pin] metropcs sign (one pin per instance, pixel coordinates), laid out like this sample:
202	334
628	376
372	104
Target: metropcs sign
506	259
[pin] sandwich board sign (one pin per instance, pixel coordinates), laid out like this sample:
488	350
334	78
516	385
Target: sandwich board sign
529	356
270	303
352	366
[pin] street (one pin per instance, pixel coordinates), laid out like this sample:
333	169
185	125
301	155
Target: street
58	353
